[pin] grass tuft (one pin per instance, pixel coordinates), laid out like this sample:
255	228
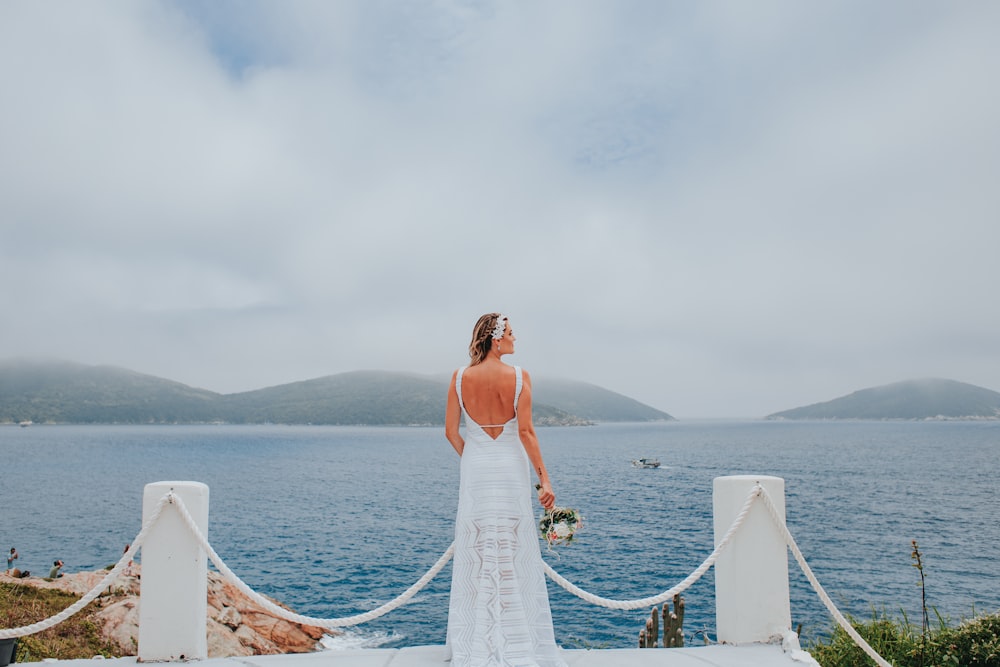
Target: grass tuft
77	637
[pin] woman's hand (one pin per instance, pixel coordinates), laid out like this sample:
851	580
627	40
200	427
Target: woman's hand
545	495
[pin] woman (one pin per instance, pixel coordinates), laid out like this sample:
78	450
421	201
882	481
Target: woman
499	611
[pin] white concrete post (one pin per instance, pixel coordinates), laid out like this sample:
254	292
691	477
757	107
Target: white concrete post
751	574
173	598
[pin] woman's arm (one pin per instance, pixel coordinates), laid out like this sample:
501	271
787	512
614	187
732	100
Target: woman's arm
452	418
526	430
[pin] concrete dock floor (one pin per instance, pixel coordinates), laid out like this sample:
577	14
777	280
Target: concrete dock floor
755	655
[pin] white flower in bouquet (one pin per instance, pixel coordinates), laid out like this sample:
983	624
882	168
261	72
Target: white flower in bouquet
559	525
562	530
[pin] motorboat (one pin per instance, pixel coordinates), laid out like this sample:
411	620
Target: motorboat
646	463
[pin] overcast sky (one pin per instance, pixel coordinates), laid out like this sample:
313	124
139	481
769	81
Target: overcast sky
721	209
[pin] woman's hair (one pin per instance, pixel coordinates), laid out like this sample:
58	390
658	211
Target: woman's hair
482	337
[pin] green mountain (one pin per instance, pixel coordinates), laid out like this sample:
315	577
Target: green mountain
930	398
64	392
598	404
362	397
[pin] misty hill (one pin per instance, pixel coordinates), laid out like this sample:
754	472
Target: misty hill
598	404
64	392
911	399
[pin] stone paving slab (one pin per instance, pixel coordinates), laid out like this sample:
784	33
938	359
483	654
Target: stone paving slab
755	655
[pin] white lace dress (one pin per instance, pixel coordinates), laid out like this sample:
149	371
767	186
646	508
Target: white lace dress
499	612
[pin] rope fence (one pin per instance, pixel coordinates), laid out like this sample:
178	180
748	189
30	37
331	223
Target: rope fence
171	499
670	592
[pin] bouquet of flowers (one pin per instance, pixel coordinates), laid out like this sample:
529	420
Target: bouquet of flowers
559	524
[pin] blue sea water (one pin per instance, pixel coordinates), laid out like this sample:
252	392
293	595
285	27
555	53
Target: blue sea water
338	520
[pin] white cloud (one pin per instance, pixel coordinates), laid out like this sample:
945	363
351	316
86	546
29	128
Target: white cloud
717	209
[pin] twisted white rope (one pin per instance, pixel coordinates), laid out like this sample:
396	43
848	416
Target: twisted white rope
806	570
669	593
281	612
109	579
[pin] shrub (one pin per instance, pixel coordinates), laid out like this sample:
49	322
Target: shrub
973	643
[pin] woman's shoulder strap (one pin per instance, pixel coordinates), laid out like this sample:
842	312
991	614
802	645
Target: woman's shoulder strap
519	382
458	386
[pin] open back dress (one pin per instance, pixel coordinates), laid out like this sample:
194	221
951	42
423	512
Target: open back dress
499	612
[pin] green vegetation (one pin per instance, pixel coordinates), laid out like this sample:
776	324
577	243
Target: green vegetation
67	393
973	643
912	399
76	637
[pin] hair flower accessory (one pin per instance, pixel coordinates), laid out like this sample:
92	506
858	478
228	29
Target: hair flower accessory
500	328
558	525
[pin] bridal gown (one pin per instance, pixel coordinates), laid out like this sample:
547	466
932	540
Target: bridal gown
499	611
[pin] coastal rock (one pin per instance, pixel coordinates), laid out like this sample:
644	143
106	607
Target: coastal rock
297	638
80	583
243	641
226	601
230	617
236	625
120	624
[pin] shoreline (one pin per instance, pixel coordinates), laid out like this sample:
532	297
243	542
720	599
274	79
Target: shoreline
236	626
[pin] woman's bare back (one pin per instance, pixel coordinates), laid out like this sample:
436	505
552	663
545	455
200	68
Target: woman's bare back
488	394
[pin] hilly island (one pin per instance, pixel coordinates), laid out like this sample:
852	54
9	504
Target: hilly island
61	392
929	398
